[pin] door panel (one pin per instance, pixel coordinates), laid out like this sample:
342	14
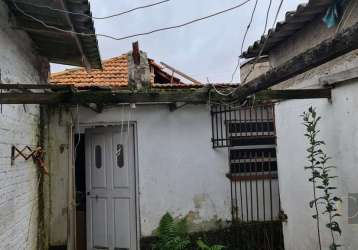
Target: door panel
100	220
110	186
122	223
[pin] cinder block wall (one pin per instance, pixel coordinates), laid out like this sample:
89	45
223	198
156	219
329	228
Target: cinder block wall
19	126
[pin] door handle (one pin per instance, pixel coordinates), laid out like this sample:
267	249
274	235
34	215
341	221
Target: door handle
88	193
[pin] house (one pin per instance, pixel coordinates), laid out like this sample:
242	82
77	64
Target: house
299	36
26	49
135	161
127	141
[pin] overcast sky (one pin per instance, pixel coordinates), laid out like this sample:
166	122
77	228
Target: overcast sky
209	48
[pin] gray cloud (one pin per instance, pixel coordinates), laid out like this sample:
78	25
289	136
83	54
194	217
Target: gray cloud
205	49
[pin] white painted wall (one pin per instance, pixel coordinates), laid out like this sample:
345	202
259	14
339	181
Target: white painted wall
18	183
339	129
179	171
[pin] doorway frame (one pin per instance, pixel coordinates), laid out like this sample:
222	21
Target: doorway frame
82	126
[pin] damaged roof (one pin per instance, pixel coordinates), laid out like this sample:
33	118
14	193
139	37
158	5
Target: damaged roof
59	46
294	21
114	75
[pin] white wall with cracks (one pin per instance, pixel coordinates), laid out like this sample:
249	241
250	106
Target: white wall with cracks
19	126
339	130
179	171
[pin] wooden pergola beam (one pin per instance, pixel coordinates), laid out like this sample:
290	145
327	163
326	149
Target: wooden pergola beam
339	78
193	96
329	49
294	94
35	86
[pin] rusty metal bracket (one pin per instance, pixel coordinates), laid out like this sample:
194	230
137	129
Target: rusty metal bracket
37	155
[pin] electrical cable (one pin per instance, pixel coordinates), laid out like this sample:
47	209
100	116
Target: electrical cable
78	132
133	35
218	91
128	126
243	40
238	64
264	45
32	211
267	16
94	17
121	130
346	16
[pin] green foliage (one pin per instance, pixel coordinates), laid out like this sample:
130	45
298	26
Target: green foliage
203	246
321	178
172	234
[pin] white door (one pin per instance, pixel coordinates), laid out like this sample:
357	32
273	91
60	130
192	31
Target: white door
110	187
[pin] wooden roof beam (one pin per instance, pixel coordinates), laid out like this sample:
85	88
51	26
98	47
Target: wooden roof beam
329	49
193	96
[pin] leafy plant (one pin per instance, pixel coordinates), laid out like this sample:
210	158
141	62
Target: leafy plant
329	200
172	234
321	178
203	246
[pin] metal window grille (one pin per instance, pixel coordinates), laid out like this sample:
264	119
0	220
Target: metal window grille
249	134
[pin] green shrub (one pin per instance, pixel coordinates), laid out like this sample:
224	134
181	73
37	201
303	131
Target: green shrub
172	234
202	246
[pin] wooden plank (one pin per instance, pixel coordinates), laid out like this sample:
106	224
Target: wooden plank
33	98
194	96
341	77
35	86
180	73
293	94
329	49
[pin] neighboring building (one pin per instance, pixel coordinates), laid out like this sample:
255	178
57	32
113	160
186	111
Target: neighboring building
134	162
26	49
301	31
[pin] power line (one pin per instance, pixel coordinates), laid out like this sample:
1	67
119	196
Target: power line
264	45
133	35
243	40
93	17
267	16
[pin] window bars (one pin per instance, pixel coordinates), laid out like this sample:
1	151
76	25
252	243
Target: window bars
249	134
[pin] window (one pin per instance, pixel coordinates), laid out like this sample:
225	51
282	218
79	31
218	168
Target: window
98	156
120	156
249	134
252	142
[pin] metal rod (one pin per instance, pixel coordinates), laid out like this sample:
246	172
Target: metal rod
221	125
212	126
217	127
257	189
225	127
251	191
270	172
263	186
